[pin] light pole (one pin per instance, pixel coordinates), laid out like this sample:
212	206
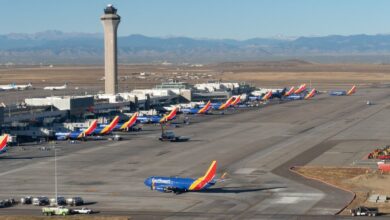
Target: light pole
55	173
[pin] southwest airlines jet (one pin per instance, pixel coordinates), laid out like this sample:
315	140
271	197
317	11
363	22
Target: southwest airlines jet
3	143
106	129
202	110
301	89
74	135
169	116
311	94
179	185
290	92
343	92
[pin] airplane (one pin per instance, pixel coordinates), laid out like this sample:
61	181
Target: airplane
56	87
23	87
343	92
202	110
352	90
311	94
106	129
3	143
179	185
8	87
236	100
154	119
74	135
223	106
267	96
169	116
300	89
290	92
126	125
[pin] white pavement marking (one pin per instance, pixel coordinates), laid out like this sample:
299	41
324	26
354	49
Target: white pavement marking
245	171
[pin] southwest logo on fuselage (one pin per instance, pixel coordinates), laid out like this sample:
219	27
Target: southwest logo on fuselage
179	185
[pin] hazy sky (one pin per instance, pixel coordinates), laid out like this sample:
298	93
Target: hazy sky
237	19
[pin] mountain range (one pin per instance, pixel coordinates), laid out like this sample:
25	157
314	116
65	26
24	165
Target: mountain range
56	47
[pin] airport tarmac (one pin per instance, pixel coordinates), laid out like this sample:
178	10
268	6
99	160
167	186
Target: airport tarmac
256	147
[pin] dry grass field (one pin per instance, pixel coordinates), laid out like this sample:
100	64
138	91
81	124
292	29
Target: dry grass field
362	181
277	74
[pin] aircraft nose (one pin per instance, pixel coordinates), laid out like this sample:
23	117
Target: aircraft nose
148	181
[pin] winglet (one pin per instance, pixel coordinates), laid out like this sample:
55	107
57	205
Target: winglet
204	180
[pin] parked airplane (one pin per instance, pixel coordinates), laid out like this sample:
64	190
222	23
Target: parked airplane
8	87
106	129
237	99
300	89
23	87
126	125
223	106
267	96
352	90
154	119
178	185
343	92
169	116
74	135
3	143
56	87
290	92
202	110
311	94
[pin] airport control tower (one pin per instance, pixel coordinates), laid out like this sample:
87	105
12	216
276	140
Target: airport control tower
110	21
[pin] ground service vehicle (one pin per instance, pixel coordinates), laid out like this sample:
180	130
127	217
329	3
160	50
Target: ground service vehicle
41	200
75	201
60	210
82	211
26	200
170	136
60	201
364	211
